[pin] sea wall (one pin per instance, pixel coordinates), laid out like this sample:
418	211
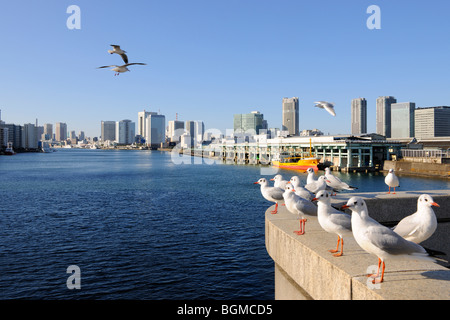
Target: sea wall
421	168
304	269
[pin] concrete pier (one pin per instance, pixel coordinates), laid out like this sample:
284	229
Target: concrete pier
304	269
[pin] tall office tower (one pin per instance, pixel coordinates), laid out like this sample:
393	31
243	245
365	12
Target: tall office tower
125	131
189	127
81	135
29	138
199	131
290	116
383	124
402	120
15	135
432	122
48	131
108	131
142	115
249	122
172	133
60	131
156	129
359	116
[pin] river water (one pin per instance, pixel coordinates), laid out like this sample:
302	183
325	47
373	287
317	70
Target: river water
139	225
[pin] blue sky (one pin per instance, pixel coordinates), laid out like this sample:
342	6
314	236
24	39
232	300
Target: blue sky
207	60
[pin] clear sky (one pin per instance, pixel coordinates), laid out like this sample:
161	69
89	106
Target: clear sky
210	59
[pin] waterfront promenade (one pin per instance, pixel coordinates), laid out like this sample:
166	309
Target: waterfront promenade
304	269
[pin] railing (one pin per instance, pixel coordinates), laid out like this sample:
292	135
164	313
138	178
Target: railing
425	153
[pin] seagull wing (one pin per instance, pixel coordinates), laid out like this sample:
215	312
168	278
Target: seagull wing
390	242
107	66
124	57
330	109
130	64
115	46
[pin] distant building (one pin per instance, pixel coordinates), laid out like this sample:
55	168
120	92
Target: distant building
108	130
3	135
60	131
313	132
142	128
290	116
432	122
29	137
402	120
155	127
48	131
125	132
383	115
173	126
195	130
359	116
15	135
249	122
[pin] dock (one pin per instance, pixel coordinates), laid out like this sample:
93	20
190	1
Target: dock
304	269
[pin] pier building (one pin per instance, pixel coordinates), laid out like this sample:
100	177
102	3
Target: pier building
343	152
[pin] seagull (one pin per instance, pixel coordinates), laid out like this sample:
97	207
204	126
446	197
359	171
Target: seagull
335	183
391	180
273	194
318	185
332	220
327	106
116	49
419	226
310	177
279	182
123	68
297	205
299	190
380	240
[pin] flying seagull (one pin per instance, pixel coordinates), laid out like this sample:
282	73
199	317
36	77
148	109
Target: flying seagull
120	69
116	49
327	106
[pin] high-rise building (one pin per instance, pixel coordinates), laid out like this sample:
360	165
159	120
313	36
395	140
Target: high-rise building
125	132
60	131
29	138
172	134
402	120
15	135
195	130
432	122
383	122
155	125
48	131
250	122
108	130
290	116
142	129
359	116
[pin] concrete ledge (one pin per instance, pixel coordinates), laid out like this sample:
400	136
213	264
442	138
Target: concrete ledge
304	269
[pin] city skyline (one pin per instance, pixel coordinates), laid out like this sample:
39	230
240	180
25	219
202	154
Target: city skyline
208	60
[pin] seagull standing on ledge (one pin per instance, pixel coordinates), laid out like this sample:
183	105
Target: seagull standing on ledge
116	49
419	226
332	220
380	240
327	106
391	180
272	194
123	68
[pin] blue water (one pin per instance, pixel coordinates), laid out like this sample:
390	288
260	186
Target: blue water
138	226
